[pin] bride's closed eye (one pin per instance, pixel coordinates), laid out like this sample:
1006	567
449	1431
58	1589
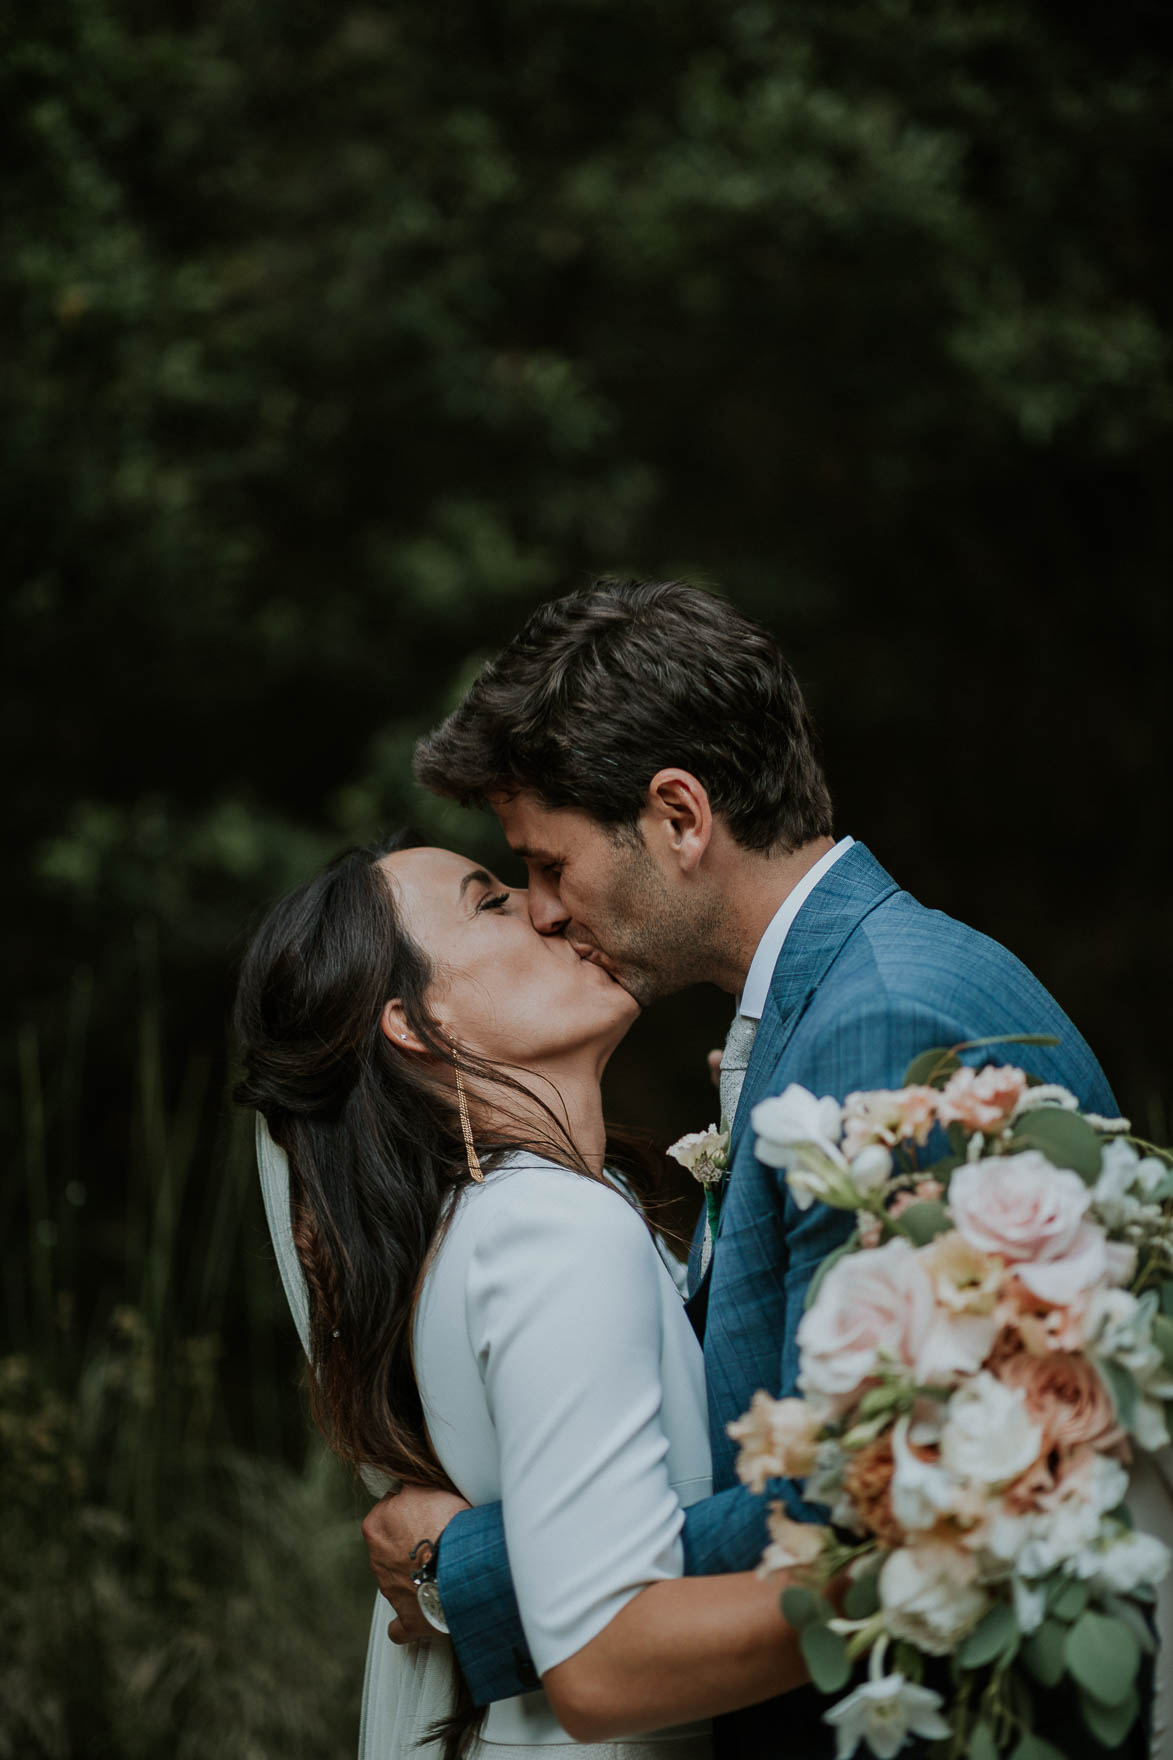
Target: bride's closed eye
493	902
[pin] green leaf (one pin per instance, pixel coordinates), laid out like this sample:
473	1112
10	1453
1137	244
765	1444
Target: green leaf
995	1633
1066	1139
924	1221
1066	1598
802	1607
863	1596
1163	1338
1122	1387
958	1139
1167	1296
826	1657
1044	1653
1130	1615
982	1745
1032	1747
1103	1656
849	1246
1121	1514
932	1068
1110	1723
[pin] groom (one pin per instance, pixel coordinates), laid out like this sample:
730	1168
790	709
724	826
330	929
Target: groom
650	757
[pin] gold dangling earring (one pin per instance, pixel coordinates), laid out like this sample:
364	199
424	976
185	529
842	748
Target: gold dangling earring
474	1166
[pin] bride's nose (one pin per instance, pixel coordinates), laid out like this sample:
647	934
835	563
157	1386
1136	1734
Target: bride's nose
546	911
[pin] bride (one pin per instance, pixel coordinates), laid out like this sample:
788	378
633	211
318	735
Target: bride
484	1310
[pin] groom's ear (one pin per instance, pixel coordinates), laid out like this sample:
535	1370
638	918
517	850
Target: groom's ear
677	820
394	1025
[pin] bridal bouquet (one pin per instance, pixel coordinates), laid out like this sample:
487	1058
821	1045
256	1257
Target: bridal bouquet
978	1363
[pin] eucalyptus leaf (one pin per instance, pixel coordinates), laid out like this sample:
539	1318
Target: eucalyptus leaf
1110	1723
863	1596
1103	1656
991	1637
1122	1387
1044	1653
826	1657
1131	1615
802	1607
1033	1747
932	1068
1066	1598
1066	1139
1163	1338
924	1221
982	1745
1167	1296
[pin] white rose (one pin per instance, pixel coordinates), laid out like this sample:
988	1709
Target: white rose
988	1434
1127	1562
922	1491
931	1596
800	1133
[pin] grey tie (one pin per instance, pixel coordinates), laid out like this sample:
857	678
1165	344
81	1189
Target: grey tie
734	1062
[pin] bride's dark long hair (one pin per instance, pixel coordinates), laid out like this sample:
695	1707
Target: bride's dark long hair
374	1142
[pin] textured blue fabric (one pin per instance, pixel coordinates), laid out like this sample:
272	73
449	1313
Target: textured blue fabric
866	980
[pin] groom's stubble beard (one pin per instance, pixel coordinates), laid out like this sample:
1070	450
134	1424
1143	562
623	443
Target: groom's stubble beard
656	944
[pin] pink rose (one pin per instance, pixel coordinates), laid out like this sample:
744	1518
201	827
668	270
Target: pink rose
1031	1214
873	1310
982	1099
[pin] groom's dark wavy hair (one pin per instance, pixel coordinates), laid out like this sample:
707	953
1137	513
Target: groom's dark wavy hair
603	688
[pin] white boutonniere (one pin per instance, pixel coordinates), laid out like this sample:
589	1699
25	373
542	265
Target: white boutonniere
705	1154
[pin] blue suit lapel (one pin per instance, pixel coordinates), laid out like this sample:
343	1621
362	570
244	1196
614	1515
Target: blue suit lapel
836	907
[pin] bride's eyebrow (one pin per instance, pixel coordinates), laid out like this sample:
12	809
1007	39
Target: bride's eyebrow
476	876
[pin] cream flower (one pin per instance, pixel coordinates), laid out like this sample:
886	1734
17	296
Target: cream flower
886	1714
989	1434
931	1595
779	1439
799	1133
704	1154
888	1116
965	1280
792	1544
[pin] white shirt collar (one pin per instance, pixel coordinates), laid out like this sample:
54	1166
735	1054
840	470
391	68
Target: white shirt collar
757	983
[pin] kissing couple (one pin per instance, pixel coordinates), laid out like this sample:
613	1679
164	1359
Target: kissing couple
494	1338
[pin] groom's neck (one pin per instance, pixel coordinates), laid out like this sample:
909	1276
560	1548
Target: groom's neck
754	885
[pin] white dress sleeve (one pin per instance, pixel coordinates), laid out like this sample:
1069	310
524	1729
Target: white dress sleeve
565	1317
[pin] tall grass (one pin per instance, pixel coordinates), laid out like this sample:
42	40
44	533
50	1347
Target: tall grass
181	1573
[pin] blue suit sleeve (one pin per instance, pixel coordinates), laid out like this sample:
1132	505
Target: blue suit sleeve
481	1608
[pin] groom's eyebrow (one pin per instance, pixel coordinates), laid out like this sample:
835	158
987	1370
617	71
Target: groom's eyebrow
477	876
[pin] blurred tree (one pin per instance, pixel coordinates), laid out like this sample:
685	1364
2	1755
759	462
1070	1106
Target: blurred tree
340	335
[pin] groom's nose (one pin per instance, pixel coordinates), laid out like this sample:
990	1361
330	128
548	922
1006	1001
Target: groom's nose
546	910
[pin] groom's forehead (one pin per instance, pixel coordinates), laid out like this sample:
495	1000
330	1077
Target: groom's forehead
537	832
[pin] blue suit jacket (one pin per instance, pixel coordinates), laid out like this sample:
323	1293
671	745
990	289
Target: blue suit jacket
866	979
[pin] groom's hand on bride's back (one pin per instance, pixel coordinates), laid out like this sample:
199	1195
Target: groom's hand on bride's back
392	1529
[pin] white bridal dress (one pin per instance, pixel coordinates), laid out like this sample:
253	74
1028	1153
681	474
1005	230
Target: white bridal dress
560	1376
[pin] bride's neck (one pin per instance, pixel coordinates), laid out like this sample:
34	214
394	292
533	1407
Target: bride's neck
571	1092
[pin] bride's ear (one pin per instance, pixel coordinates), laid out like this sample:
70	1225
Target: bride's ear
394	1025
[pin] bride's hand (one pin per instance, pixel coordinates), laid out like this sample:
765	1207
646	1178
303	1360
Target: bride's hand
392	1529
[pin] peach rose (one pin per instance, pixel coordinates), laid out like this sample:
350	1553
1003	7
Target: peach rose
1066	1396
981	1099
889	1117
793	1545
868	1483
1024	1210
873	1311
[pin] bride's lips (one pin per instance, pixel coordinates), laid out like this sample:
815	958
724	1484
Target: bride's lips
593	956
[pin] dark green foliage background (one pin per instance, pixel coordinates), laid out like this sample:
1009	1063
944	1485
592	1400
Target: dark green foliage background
339	336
